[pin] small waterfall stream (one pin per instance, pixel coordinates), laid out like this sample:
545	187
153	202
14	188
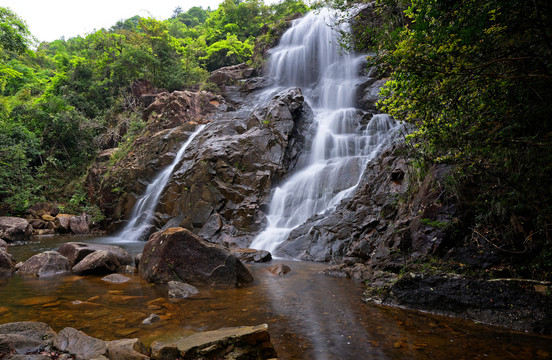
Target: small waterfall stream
309	57
144	209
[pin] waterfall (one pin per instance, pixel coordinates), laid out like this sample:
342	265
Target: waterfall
309	57
144	209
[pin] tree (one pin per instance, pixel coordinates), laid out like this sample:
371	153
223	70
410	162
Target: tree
14	34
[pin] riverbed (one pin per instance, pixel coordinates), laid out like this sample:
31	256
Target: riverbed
310	315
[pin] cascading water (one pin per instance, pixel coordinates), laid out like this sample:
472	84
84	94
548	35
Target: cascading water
309	57
144	209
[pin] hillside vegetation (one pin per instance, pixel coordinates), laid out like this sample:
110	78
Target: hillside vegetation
65	100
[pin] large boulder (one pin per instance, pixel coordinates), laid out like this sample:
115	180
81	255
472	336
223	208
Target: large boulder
25	337
245	342
126	349
97	263
80	224
176	254
7	264
76	251
14	229
45	264
78	344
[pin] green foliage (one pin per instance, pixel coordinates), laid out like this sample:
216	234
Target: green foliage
14	34
227	52
475	78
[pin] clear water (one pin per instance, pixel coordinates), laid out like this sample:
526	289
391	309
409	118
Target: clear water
310	315
308	57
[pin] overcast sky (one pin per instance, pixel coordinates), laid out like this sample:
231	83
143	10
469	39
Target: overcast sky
49	20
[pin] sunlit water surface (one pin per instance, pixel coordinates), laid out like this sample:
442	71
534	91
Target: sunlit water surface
310	315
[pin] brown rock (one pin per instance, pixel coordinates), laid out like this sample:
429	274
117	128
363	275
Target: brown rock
77	343
14	229
47	263
7	264
80	224
39	209
278	269
179	255
126	349
38	224
48	217
252	255
76	251
99	262
3	245
62	223
251	342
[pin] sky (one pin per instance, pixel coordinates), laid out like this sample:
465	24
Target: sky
49	20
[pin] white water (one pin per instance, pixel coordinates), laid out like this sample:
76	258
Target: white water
144	209
308	57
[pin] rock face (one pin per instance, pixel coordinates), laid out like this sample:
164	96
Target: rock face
178	255
226	173
47	263
76	251
14	229
246	342
377	226
24	337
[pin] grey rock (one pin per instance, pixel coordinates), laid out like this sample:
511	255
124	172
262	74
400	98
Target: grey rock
181	290
14	229
126	349
252	255
116	278
77	343
47	263
152	319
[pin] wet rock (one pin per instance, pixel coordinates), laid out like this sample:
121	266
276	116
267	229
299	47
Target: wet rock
252	255
116	278
14	229
152	319
7	264
180	290
3	245
278	269
76	251
77	343
177	254
25	337
44	264
251	342
137	260
98	263
126	349
504	303
368	93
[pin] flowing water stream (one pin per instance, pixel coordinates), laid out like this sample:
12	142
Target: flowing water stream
142	214
308	57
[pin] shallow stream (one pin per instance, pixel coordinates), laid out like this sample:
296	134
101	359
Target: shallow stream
310	315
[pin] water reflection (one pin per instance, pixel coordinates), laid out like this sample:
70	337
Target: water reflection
310	315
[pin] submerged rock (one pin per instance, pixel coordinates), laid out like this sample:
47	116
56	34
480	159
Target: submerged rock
14	229
278	269
116	278
152	319
180	290
47	263
176	254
